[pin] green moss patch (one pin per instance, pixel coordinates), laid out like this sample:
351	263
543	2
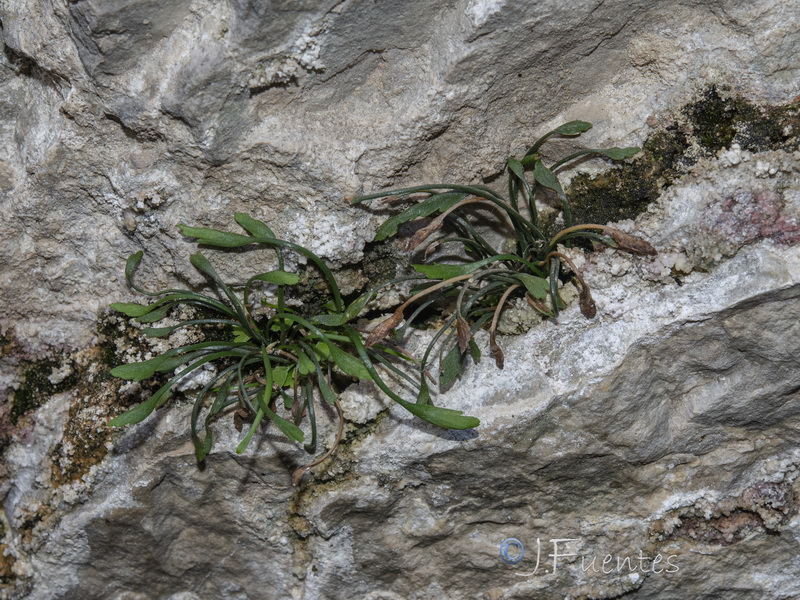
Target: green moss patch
84	379
382	262
719	119
97	398
624	192
712	123
41	380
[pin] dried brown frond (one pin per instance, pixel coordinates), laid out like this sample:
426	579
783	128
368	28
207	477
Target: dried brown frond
630	243
464	334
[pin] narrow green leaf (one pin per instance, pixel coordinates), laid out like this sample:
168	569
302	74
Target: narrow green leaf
133	262
213	237
156	315
536	286
224	398
281	375
253	226
159	331
288	400
332	320
572	128
437	203
240	335
246	441
437	271
424	396
137	414
451	367
357	305
619	153
555	266
322	382
513	191
164	331
276	277
224	379
202	264
311	445
474	351
171	359
304	364
268	380
138	371
443	417
347	363
350	313
289	429
131	309
613	153
516	167
170	363
202	448
547	178
325	388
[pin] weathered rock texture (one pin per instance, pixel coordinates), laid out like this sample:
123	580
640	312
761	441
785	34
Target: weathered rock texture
667	426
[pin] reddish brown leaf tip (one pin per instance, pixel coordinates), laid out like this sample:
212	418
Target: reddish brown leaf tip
588	307
297	476
384	329
497	352
464	334
631	243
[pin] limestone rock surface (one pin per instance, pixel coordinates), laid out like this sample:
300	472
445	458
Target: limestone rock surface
666	427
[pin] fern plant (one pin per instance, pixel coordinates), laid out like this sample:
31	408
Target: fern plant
479	288
273	362
279	362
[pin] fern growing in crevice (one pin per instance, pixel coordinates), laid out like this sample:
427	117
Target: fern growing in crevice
276	366
482	286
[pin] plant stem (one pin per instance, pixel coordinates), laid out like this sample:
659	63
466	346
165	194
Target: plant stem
298	474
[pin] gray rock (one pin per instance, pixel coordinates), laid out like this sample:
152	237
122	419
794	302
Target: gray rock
667	426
